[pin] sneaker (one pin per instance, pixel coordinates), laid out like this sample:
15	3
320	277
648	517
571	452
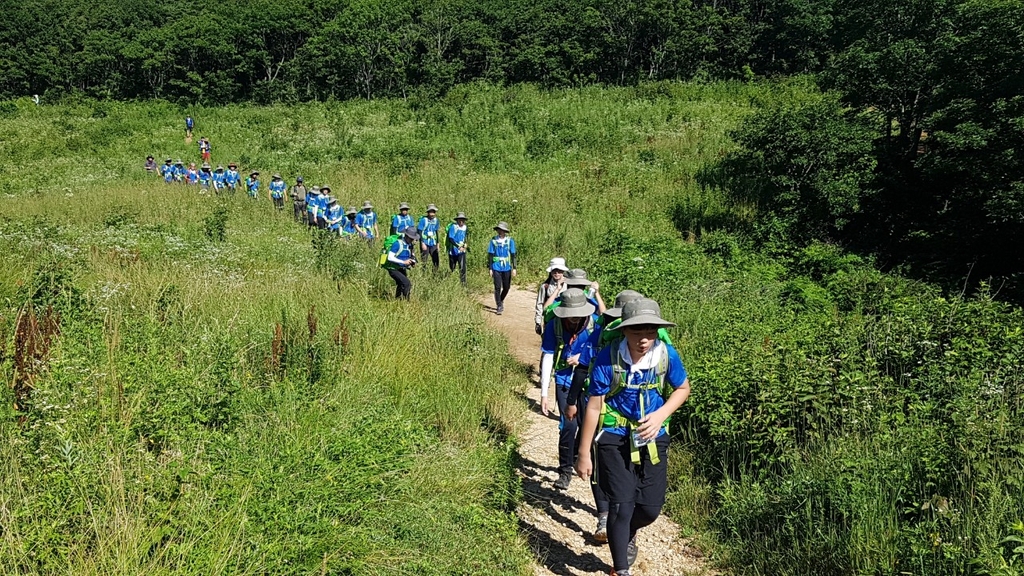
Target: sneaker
564	478
500	310
601	534
631	552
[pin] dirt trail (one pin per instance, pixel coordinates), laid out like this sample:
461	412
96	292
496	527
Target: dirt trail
560	524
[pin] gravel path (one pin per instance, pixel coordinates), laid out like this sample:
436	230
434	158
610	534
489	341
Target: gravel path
560	524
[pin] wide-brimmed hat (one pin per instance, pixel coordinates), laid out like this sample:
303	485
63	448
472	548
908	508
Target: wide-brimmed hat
460	216
351	210
642	312
431	208
179	162
232	165
503	226
168	160
325	187
332	200
577	277
403	206
276	177
411	233
557	264
574	305
254	173
314	190
206	166
621	299
220	168
367	205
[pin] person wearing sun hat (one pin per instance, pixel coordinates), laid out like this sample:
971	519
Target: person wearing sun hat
312	197
179	171
252	184
348	225
402	220
167	171
455	240
565	339
205	176
400	259
298	194
322	203
366	223
577	277
191	174
334	215
501	261
429	227
219	180
232	177
554	285
636	383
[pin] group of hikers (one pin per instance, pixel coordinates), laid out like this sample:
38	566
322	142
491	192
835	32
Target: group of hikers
617	381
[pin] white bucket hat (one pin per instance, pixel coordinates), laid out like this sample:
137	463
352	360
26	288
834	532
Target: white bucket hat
557	264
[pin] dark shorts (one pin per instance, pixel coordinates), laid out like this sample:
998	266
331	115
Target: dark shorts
644	483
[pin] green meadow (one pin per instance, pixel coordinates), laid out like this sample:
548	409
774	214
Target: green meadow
202	386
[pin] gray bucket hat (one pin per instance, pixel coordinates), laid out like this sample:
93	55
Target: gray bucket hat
460	216
403	206
325	189
275	177
367	205
503	226
431	207
577	277
642	312
351	210
574	305
621	299
411	233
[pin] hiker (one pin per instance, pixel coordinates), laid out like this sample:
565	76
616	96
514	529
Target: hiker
219	180
179	170
565	338
252	184
191	175
151	165
205	177
554	285
455	239
167	171
501	257
312	199
400	259
577	277
578	396
189	124
348	225
276	190
333	216
366	223
232	177
298	194
204	150
321	207
402	220
624	440
428	227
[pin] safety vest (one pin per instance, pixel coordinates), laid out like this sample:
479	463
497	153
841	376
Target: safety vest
611	418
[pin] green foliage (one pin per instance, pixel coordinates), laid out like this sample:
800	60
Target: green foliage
215	225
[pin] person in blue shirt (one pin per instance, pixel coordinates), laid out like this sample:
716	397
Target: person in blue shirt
189	124
566	337
348	225
167	171
179	171
321	207
252	184
219	180
312	197
232	177
366	223
457	246
429	227
276	189
400	259
205	176
334	216
402	220
636	383
501	260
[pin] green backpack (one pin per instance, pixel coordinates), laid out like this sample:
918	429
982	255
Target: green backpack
383	260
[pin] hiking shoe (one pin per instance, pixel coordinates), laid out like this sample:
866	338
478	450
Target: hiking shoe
631	552
601	534
564	478
500	310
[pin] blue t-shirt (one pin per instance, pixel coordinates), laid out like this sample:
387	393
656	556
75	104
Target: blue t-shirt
456	236
277	188
348	227
252	185
428	230
366	222
332	213
232	177
205	177
168	172
399	249
218	180
500	252
627	401
574	344
399	223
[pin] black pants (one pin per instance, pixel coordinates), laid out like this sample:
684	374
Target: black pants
502	284
279	203
567	429
403	286
434	256
300	211
460	261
